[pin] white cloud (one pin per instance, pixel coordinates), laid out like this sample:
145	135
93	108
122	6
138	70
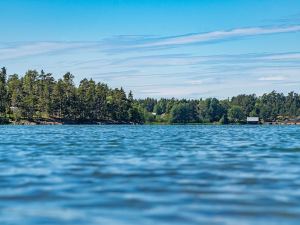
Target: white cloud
219	35
202	81
165	73
177	92
288	56
36	48
272	78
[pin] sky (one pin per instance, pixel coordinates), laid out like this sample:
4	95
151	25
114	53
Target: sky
158	48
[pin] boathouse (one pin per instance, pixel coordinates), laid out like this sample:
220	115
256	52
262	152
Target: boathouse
253	120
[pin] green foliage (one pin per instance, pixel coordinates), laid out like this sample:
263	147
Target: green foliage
38	95
148	104
246	102
182	113
268	107
224	119
118	105
3	92
149	117
161	107
136	114
236	114
211	110
4	120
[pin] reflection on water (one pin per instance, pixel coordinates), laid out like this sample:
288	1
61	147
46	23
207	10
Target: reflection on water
149	175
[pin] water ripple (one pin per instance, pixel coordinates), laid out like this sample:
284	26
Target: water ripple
149	175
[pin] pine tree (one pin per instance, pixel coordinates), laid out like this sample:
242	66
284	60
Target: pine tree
3	93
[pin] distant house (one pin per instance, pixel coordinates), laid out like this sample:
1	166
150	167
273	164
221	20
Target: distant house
253	120
14	109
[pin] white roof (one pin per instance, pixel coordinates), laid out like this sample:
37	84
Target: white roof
252	119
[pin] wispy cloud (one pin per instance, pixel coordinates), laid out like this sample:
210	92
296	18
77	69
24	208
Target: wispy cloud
272	78
176	92
283	56
204	81
17	50
169	71
126	44
214	36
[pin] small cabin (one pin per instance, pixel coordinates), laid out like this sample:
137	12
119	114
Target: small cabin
14	109
253	120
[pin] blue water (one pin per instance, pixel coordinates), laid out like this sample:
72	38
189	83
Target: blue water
135	175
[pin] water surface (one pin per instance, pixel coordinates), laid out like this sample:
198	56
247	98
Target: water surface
139	175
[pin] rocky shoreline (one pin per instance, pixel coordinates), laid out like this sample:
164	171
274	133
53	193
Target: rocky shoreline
65	122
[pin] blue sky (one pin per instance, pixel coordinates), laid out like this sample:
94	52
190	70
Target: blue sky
158	48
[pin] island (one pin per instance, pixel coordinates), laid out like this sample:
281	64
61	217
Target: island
37	98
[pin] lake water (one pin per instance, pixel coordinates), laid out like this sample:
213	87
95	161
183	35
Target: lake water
135	175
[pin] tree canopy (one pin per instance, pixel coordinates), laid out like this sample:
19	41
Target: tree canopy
37	95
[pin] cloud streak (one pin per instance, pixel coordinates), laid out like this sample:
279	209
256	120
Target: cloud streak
36	48
122	44
272	78
158	66
218	36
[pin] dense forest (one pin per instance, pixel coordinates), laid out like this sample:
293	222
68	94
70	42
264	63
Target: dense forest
37	96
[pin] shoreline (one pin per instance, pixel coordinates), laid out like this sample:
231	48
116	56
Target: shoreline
39	122
70	122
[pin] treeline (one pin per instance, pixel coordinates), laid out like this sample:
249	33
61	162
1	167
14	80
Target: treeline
37	95
268	107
